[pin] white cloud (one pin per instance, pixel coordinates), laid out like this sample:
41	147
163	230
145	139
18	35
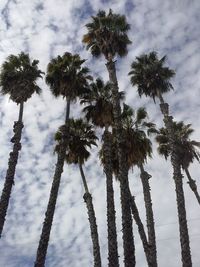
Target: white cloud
46	29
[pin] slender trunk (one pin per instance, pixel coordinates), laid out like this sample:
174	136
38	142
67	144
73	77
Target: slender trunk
149	216
83	178
180	198
141	230
46	229
12	162
192	184
113	257
92	220
127	231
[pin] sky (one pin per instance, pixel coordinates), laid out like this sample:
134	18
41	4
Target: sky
48	28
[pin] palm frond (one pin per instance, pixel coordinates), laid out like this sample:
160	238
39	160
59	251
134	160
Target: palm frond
18	77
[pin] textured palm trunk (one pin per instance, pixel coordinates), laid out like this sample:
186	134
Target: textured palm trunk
12	162
92	220
127	230
113	257
149	216
180	198
192	184
46	229
141	230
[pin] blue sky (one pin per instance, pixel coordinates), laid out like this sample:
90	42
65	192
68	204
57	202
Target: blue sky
46	29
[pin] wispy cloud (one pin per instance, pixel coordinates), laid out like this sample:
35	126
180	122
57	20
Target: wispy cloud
46	29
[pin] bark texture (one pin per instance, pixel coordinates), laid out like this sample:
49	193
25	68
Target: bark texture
93	228
141	230
92	220
12	163
113	257
180	198
46	229
127	231
192	184
149	216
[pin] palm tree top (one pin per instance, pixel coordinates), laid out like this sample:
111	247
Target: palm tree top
137	120
186	148
107	35
137	127
137	145
150	75
81	138
18	77
99	109
66	76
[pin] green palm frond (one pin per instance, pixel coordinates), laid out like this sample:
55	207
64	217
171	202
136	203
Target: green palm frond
66	76
18	77
186	148
150	76
81	138
141	115
138	146
98	101
107	34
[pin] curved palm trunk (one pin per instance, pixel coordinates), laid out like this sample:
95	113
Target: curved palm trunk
127	231
141	230
92	220
113	257
149	216
46	229
192	184
12	162
180	198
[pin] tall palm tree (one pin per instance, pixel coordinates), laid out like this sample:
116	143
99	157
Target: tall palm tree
99	111
67	78
138	149
186	149
152	79
82	137
107	36
18	79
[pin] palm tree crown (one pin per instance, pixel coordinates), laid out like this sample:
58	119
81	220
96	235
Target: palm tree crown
138	146
18	77
107	34
186	148
81	137
150	75
66	76
99	99
135	124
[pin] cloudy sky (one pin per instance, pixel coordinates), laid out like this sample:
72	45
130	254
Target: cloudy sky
48	28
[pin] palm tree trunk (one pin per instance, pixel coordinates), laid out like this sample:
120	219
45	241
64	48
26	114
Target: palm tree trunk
113	257
127	231
149	216
141	230
192	184
92	220
180	198
12	163
46	229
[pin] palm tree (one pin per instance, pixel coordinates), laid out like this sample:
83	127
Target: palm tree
99	111
18	79
66	77
152	79
107	36
82	137
138	149
186	149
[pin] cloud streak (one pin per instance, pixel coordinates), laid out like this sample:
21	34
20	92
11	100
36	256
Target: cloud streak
46	29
